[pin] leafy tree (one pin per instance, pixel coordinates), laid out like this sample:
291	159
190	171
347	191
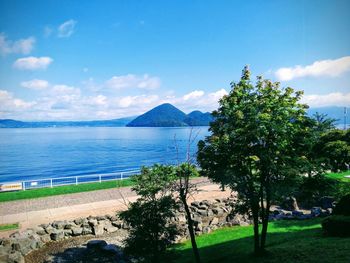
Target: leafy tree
333	147
185	189
149	217
251	146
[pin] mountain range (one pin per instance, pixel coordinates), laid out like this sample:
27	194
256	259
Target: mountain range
165	115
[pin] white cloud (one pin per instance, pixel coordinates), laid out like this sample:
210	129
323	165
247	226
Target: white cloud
33	63
331	99
67	28
331	68
193	95
133	81
10	104
22	46
35	84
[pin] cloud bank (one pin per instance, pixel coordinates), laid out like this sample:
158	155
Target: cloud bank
21	46
329	68
35	84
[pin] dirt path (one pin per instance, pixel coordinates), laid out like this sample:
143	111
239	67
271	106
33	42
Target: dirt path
30	213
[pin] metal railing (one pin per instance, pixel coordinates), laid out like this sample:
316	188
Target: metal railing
72	180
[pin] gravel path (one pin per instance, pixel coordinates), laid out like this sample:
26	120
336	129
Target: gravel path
22	206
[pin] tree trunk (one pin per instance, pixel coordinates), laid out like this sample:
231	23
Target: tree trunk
255	212
191	231
265	219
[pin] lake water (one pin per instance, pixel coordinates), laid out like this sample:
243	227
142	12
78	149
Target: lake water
27	154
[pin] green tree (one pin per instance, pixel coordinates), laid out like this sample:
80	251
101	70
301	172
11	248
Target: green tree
250	148
149	217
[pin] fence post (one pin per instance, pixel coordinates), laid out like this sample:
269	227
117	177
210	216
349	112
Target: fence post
121	176
100	178
51	185
76	180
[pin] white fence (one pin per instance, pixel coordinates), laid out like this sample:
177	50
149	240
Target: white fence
71	180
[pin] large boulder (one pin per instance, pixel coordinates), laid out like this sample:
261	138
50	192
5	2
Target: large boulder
290	204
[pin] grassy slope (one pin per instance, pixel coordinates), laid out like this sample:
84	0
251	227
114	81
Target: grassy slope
5	227
68	189
339	176
288	242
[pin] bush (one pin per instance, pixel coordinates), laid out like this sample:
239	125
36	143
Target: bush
337	225
343	207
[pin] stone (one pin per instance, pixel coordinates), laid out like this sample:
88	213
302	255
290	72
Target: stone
93	222
327	202
58	224
98	230
118	224
86	231
195	204
112	249
206	230
49	229
316	211
79	221
290	203
96	244
45	238
15	257
111	229
214	221
77	231
69	225
40	230
67	232
57	235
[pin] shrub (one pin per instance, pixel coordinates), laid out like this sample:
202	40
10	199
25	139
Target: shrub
343	207
337	225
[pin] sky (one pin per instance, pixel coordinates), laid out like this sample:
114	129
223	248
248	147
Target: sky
89	60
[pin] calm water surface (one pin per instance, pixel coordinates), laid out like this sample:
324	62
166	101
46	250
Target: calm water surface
58	152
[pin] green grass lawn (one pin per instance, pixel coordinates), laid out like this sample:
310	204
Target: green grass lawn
287	242
340	176
67	189
5	227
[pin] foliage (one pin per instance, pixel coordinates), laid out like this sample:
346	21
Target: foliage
333	148
151	231
343	206
337	225
290	241
251	147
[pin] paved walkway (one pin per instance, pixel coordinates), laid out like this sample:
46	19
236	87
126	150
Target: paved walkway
30	213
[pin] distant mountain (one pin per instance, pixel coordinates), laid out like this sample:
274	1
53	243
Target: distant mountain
198	118
8	123
167	115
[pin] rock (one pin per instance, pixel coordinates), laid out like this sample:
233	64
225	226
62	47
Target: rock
58	224
98	230
96	244
297	213
45	238
86	231
195	204
40	230
113	249
214	221
326	202
206	230
111	229
77	231
57	235
15	257
79	221
218	211
93	222
69	225
49	229
290	203
67	232
118	224
316	211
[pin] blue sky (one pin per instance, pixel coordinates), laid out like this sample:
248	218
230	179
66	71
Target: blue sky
78	60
